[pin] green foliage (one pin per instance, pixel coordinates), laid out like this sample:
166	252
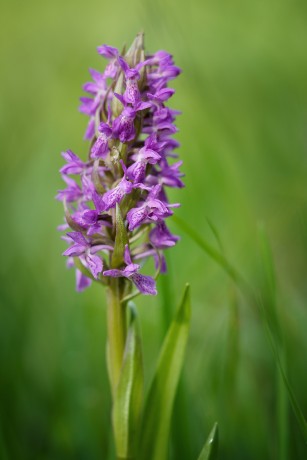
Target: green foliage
268	304
129	394
272	323
154	438
215	254
121	239
269	316
210	450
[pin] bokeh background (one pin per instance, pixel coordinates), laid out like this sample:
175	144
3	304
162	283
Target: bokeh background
243	131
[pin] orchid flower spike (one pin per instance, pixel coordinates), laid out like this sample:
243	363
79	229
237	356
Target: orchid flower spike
116	201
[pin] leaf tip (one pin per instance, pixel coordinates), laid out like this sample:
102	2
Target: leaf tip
184	310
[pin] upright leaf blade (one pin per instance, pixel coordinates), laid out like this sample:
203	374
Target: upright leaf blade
269	290
129	394
249	292
159	403
295	405
210	450
180	425
121	239
270	314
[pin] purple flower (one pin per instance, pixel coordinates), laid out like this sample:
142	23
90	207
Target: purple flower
116	194
152	142
161	237
90	130
88	187
89	106
163	71
162	122
123	125
74	164
152	209
100	148
86	218
162	95
82	281
145	284
167	175
159	259
136	172
92	220
72	193
107	51
132	93
129	167
82	247
98	85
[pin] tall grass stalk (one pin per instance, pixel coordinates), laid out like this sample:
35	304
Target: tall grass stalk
256	300
271	316
180	434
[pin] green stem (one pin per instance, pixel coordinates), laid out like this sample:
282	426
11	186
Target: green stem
117	331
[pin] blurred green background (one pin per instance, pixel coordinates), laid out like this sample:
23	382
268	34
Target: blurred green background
243	132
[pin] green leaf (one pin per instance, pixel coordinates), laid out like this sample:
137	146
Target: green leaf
121	239
210	449
270	316
249	292
216	234
295	406
129	393
159	404
180	425
269	289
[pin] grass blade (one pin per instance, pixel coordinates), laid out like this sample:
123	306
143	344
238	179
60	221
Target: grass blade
216	234
295	406
210	450
271	316
251	296
269	288
159	404
180	430
216	255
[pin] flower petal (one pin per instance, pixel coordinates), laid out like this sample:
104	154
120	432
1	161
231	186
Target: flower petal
107	51
145	284
127	256
114	273
77	237
73	251
94	264
136	216
82	281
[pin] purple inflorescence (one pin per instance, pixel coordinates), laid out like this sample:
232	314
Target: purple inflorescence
127	171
